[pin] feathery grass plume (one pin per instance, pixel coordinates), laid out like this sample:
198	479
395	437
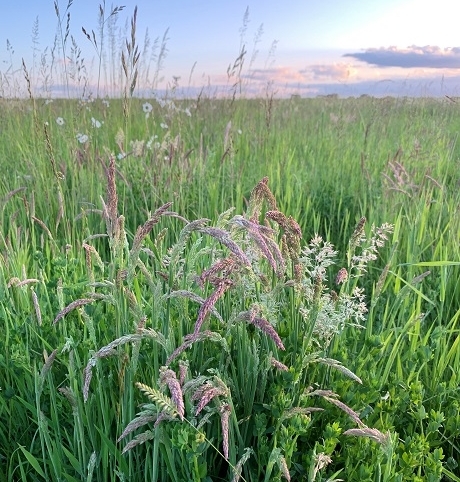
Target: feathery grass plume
138	440
372	433
358	235
194	338
210	302
60	294
92	250
338	366
212	388
183	369
38	313
239	465
194	297
109	350
110	210
225	266
45	228
15	281
10	194
89	265
224	237
259	194
345	408
321	461
282	464
261	235
225	411
168	377
184	235
294	411
278	365
71	398
141	233
143	418
72	306
263	325
49	360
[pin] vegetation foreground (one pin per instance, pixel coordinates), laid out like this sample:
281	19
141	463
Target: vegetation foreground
189	290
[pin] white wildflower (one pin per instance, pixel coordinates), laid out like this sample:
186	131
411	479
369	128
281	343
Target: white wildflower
95	123
147	108
82	138
149	143
163	125
60	121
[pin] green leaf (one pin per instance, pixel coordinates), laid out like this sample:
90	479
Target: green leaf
32	461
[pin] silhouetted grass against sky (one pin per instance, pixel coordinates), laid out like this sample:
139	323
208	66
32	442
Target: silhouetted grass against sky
350	47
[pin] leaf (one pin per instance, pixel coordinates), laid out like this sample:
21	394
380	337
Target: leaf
32	461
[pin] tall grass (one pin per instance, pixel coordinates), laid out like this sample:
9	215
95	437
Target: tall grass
102	280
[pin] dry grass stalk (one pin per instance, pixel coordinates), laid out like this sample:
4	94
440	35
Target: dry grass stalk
263	325
110	211
45	228
209	303
193	338
223	237
36	307
372	433
72	306
259	194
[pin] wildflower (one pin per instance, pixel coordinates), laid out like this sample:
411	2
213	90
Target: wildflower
163	125
60	121
147	108
48	101
106	103
82	138
149	143
95	123
187	112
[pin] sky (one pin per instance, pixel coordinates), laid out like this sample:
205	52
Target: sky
304	47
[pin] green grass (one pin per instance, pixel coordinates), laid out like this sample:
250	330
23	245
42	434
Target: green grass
328	164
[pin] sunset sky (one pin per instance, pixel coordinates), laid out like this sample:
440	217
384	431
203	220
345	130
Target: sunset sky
307	47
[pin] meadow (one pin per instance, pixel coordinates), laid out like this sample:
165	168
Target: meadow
230	288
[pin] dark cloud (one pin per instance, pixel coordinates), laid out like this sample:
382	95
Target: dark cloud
431	57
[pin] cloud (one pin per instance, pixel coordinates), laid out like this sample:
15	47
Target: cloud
339	71
431	57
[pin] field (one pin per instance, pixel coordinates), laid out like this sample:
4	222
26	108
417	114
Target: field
224	289
102	280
